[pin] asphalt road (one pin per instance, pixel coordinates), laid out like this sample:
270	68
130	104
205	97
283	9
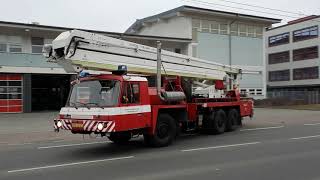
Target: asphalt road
282	148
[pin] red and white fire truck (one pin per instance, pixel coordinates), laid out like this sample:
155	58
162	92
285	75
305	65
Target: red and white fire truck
125	89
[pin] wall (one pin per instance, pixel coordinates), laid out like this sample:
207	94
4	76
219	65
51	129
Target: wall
178	27
215	47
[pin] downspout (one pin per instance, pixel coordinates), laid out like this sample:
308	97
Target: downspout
230	47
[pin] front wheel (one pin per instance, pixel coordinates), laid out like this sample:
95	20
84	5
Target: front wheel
165	132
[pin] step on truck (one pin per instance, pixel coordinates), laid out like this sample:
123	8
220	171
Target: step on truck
123	89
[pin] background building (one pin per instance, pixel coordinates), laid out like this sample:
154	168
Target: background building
29	83
223	37
293	58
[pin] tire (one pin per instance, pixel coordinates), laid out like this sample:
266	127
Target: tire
233	120
219	122
165	132
207	123
120	137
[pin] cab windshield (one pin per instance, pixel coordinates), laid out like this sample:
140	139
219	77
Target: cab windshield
95	93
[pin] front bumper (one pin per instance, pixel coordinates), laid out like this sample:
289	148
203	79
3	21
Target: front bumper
84	126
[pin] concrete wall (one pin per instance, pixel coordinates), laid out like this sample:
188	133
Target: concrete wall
178	27
245	51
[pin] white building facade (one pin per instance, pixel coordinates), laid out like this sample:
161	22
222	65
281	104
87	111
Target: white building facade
292	56
223	37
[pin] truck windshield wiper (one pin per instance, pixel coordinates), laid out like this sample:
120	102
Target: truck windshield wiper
73	104
86	104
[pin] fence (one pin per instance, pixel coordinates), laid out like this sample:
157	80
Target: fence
296	97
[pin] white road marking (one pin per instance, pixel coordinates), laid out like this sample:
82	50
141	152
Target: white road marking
314	124
69	164
263	128
68	145
20	144
217	147
305	137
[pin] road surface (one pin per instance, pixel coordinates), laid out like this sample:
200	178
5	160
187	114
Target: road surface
285	147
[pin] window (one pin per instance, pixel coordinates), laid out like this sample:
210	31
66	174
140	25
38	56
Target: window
195	34
15	48
223	28
251	31
37	44
205	26
306	73
283	75
131	93
94	93
177	50
234	29
214	27
196	23
279	57
306	33
279	39
242	30
258	91
305	53
252	91
3	47
259	32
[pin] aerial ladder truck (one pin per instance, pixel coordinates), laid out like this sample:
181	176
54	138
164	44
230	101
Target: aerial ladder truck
124	89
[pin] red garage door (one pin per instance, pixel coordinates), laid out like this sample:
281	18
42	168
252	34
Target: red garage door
10	93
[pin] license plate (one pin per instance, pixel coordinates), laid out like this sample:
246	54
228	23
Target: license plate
77	125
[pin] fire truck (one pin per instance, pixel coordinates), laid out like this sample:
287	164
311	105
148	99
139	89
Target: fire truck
124	89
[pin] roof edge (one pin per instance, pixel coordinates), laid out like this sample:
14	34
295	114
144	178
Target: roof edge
26	25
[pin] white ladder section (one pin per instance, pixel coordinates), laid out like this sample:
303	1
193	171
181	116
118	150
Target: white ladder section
97	52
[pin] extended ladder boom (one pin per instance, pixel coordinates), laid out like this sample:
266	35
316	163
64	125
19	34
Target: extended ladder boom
76	49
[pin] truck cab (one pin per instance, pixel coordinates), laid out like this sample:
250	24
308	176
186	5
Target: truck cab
103	104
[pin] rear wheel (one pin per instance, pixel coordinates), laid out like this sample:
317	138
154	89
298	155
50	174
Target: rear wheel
233	120
120	137
219	122
165	132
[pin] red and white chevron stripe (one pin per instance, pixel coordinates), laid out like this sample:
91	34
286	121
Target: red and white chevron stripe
88	125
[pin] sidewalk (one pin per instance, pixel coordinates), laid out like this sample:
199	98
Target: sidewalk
29	127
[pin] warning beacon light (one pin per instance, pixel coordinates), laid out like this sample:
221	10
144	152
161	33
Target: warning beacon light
122	70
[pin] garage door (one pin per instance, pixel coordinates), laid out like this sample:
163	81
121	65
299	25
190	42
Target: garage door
11	93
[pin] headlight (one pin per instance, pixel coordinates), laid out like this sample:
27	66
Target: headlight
100	126
59	124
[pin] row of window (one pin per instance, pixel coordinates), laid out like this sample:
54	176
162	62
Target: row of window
36	46
297	55
298	35
298	74
256	92
236	29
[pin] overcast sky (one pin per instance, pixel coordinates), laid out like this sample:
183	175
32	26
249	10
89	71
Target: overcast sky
118	15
